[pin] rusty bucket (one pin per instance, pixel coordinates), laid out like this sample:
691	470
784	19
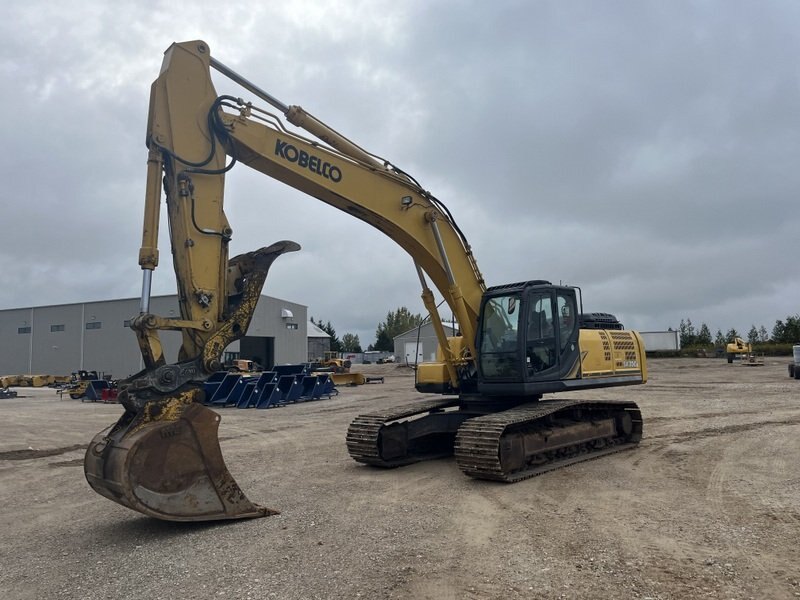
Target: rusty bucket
165	461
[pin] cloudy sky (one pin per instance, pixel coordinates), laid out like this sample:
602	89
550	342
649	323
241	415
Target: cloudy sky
647	152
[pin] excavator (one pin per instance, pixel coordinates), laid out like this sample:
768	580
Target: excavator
739	347
515	343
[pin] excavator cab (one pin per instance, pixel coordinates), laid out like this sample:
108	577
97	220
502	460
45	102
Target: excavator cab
528	339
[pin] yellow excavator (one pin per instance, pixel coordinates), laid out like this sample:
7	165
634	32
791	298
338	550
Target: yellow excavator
516	342
739	347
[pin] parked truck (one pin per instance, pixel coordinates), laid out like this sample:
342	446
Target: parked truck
794	366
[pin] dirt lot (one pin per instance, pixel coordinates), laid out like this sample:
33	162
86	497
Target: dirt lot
708	506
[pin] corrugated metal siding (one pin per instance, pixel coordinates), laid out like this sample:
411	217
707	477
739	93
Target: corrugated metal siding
427	341
15	349
291	345
112	347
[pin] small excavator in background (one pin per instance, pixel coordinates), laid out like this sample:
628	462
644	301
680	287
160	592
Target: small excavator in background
736	348
744	350
516	342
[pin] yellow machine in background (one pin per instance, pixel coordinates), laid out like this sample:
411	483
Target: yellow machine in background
242	365
335	363
339	369
736	347
80	382
744	350
517	342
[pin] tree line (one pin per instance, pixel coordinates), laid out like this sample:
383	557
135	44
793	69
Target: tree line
783	332
786	331
397	321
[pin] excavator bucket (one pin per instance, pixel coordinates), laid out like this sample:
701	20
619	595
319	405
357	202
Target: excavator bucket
165	462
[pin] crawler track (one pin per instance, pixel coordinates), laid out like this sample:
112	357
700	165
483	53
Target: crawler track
479	442
508	446
364	433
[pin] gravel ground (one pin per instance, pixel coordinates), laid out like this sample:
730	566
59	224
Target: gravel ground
708	506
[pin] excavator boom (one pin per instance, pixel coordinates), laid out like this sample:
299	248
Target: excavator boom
162	458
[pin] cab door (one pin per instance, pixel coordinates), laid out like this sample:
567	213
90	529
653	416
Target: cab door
551	334
541	343
568	331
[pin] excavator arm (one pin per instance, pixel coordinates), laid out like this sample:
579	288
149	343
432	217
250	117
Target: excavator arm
162	457
190	137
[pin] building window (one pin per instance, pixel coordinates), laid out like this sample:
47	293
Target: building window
94	325
24	330
126	323
54	328
291	326
229	357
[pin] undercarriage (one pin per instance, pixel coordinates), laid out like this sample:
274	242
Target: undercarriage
506	445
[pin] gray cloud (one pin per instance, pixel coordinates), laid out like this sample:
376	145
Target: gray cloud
643	150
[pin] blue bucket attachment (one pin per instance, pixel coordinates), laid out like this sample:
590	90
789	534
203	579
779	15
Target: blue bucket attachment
268	396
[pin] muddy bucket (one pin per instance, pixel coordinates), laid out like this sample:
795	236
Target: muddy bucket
165	462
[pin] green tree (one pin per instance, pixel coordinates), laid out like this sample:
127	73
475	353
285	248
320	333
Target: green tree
397	322
752	335
704	337
383	343
719	340
731	335
350	343
763	336
787	332
687	333
793	329
778	331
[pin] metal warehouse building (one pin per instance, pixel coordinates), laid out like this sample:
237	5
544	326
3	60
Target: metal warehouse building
319	342
418	345
63	338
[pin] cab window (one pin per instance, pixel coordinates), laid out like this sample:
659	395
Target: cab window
499	337
540	339
567	318
501	316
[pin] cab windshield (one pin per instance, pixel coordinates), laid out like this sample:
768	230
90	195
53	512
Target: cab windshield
499	337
